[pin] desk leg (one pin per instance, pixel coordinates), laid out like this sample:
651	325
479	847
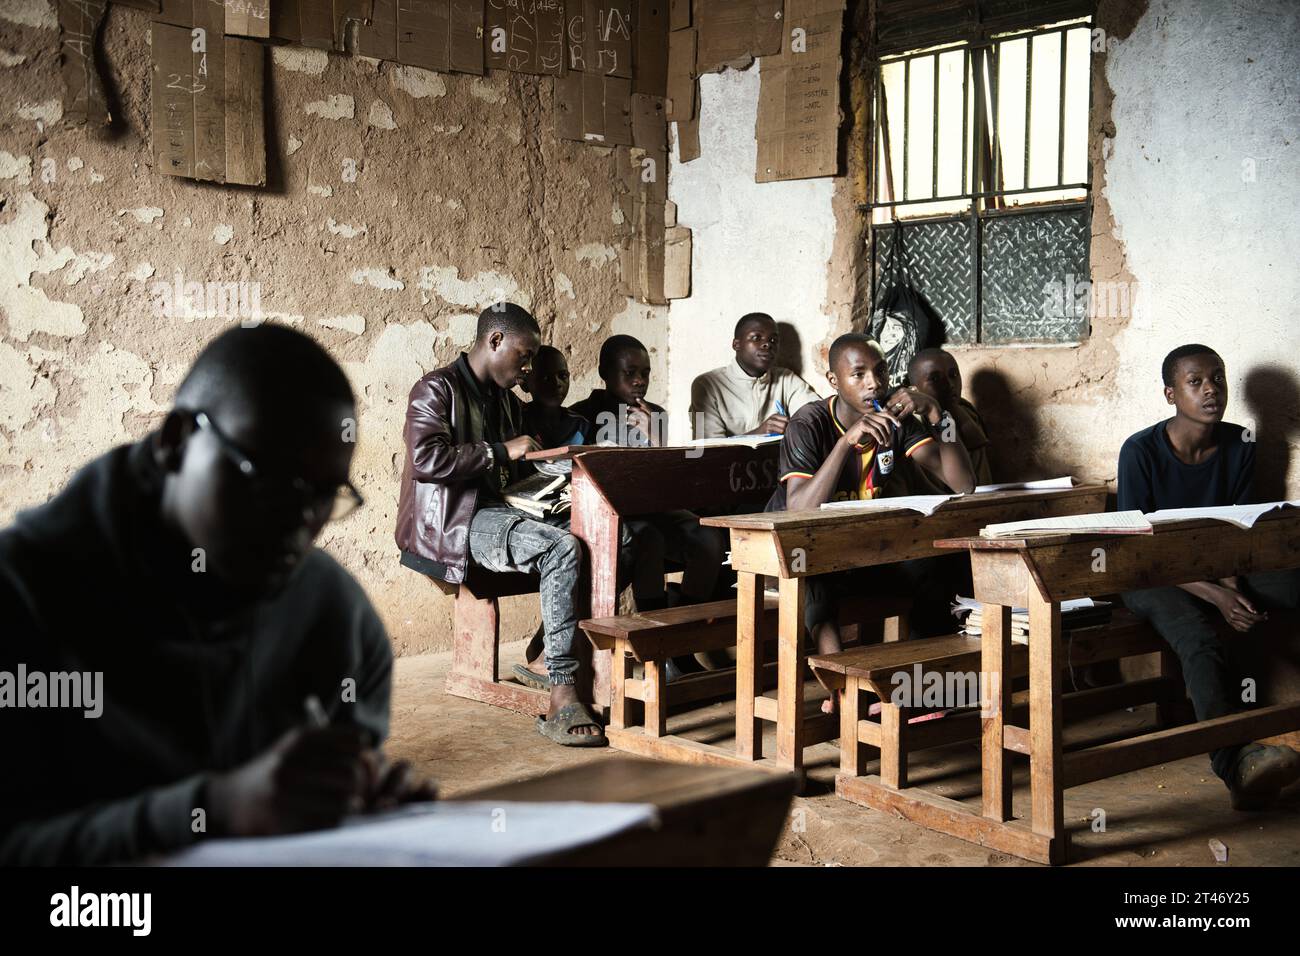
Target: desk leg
790	667
749	663
596	524
995	655
1045	662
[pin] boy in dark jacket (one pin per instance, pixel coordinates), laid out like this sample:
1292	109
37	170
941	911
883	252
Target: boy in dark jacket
173	583
465	440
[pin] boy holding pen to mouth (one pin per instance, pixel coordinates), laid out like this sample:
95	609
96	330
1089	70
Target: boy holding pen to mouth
847	448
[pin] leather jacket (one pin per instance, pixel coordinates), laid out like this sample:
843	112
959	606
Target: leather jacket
446	468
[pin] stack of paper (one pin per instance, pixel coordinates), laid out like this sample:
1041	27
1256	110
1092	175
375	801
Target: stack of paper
1080	613
1243	516
1111	522
925	504
539	495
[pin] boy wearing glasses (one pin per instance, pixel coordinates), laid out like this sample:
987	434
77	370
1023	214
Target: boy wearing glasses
173	582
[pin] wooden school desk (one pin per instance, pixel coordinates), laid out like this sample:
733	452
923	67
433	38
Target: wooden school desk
708	816
792	545
610	484
1039	573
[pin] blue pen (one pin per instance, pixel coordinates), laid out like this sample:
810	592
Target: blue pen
780	410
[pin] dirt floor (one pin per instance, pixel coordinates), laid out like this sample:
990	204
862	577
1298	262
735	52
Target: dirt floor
1163	816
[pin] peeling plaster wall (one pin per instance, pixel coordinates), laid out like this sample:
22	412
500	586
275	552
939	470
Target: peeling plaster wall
401	203
1188	96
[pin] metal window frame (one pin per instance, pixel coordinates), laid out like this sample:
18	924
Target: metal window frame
984	167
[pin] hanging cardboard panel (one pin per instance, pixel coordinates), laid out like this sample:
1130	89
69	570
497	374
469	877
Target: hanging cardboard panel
245	124
600	36
423	32
688	140
378	37
466	53
681	75
735	29
284	20
173	100
79	22
650	58
594	109
526	36
209	72
798	105
248	18
679	14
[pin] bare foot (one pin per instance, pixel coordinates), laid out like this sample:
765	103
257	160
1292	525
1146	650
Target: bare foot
831	704
561	696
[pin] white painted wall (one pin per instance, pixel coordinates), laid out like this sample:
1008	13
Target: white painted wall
1204	91
757	247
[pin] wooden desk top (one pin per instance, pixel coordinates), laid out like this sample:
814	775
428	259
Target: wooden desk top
708	816
801	543
819	517
1062	567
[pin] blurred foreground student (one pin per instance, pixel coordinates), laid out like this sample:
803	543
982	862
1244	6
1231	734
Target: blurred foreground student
1197	460
234	680
751	395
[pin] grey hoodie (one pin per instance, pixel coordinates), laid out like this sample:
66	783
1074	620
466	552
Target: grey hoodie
185	691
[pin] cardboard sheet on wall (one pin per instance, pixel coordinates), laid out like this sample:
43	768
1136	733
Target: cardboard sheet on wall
377	37
441	35
679	14
248	18
688	140
86	101
526	36
208	107
594	109
799	92
734	29
681	75
650	52
600	36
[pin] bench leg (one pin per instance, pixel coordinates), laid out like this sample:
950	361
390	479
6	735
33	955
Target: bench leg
478	631
749	664
852	754
656	702
897	627
893	745
621	670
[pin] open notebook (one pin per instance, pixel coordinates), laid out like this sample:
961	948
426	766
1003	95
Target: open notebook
1110	522
1243	516
925	504
748	441
442	833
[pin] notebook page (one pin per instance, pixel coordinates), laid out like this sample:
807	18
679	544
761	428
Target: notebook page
925	504
1133	522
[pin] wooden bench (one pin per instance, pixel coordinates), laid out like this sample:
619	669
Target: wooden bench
650	638
476	642
877	669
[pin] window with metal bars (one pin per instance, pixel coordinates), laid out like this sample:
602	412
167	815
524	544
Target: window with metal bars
981	159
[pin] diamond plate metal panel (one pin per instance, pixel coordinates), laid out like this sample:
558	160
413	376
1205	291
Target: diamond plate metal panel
939	257
1026	261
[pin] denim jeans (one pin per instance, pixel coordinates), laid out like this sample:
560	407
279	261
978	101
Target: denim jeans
507	539
1188	626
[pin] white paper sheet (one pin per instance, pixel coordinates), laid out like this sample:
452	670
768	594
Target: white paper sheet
1042	484
748	441
1110	521
443	833
925	504
1243	516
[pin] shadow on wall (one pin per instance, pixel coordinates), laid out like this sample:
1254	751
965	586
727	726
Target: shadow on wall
1013	428
789	351
1272	394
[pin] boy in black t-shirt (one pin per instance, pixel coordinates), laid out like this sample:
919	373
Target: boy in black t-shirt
1197	460
849	447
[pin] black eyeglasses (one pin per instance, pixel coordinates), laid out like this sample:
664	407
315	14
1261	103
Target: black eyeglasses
341	499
